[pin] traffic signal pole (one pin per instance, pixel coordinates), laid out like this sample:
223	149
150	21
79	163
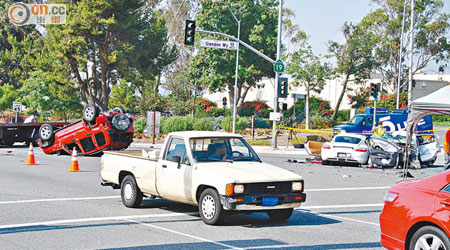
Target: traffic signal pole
275	98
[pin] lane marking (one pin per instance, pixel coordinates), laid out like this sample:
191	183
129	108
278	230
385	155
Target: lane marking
115	197
186	235
341	206
349	219
57	222
340	217
60	199
344	189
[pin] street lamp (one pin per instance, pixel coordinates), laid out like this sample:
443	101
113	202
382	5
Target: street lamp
237	67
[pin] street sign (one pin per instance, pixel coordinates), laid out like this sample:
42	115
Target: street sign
217	44
278	66
298	96
151	122
275	116
17	107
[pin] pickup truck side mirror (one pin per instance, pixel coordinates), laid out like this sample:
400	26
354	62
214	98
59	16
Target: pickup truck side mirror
177	159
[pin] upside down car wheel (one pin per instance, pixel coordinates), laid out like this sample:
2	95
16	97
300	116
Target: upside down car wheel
90	112
46	132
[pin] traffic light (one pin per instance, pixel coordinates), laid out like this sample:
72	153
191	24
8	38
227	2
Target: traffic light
224	102
189	32
373	90
282	87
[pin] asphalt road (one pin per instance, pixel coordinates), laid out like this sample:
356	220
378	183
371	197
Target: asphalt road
47	207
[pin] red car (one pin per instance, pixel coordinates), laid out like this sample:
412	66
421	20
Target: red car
416	214
95	133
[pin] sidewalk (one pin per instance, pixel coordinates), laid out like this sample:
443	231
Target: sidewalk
282	150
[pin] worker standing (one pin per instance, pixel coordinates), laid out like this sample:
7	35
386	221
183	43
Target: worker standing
447	150
379	130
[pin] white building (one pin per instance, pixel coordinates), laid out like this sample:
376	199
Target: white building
424	84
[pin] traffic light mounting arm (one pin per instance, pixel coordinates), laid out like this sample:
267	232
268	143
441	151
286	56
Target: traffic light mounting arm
240	42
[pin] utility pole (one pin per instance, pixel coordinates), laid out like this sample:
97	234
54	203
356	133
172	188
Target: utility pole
400	57
411	48
275	98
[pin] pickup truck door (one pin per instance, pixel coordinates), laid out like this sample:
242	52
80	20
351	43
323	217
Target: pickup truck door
174	180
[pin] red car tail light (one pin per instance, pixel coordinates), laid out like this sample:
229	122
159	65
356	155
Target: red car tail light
361	150
326	146
390	196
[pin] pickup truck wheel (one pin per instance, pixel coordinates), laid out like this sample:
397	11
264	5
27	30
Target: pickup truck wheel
131	195
210	208
280	214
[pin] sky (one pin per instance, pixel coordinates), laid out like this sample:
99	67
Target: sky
322	19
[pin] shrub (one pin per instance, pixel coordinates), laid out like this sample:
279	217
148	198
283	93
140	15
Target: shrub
261	123
318	121
253	108
177	123
387	101
204	124
203	106
227	124
215	112
343	115
139	125
316	106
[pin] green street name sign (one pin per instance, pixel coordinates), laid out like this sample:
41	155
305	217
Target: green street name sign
278	66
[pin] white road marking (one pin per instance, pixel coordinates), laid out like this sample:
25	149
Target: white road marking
340	217
341	206
58	222
344	189
60	199
186	235
355	220
115	197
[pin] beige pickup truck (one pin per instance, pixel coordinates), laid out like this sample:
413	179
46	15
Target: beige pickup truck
218	172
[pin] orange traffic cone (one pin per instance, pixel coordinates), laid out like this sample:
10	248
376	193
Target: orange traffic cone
74	162
30	157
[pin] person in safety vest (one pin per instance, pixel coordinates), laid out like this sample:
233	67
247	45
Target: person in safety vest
447	150
379	130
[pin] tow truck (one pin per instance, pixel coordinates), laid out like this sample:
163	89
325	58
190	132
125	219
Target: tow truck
23	132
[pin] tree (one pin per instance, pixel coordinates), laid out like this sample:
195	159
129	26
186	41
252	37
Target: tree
354	57
431	33
103	42
46	96
122	95
18	45
258	28
7	95
308	71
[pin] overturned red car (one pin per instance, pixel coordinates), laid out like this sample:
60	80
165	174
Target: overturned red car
95	133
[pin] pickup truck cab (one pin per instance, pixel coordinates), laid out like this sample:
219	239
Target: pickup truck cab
395	121
218	172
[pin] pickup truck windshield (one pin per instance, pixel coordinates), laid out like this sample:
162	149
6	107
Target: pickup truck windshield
222	149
